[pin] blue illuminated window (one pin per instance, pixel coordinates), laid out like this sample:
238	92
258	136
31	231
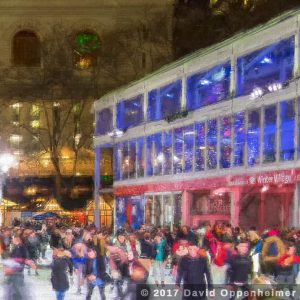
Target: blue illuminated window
208	87
140	157
265	67
164	101
104	121
167	152
157	154
130	112
178	150
225	142
132	159
189	136
212	133
270	125
117	159
253	138
239	139
200	146
125	160
287	129
149	153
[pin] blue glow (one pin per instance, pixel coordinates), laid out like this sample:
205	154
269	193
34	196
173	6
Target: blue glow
212	132
270	117
265	66
239	139
253	138
164	101
200	146
208	87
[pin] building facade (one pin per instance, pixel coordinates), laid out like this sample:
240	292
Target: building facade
55	58
210	138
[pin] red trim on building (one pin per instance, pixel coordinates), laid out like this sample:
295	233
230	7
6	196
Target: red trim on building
281	177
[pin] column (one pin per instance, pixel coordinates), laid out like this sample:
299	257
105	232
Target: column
296	203
261	213
235	207
97	186
186	206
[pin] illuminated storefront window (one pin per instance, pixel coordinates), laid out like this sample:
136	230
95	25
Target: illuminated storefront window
178	151
117	160
225	142
125	164
253	138
266	69
130	113
167	153
270	118
200	146
208	87
164	101
189	136
239	139
212	135
104	123
140	157
287	130
132	159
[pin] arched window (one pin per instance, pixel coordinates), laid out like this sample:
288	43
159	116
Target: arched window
26	49
86	46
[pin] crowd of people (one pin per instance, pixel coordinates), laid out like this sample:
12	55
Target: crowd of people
198	260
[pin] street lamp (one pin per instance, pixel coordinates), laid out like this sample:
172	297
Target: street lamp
7	161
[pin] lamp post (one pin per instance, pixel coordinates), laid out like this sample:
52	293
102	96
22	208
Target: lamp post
7	161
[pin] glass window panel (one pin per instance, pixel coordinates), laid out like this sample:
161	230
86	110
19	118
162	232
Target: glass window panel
189	136
149	210
208	87
132	159
117	159
168	210
167	153
253	138
157	154
130	112
265	67
225	142
177	209
239	139
200	146
164	101
104	122
270	119
212	132
157	210
287	129
125	160
178	150
149	158
140	157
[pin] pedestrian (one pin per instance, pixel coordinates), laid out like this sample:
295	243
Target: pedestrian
240	269
160	255
14	270
60	267
194	272
95	273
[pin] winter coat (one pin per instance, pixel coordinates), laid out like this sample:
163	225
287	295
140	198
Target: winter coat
273	248
192	270
240	267
100	266
33	248
165	251
59	276
146	248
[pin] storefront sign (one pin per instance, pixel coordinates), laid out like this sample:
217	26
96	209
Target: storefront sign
282	177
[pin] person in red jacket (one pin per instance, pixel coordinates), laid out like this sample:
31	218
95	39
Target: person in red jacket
285	274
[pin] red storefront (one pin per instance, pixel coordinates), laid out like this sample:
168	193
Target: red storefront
258	199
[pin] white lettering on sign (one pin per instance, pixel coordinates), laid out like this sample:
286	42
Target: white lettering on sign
238	181
282	178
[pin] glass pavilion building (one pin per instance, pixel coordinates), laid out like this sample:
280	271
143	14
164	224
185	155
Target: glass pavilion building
210	138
